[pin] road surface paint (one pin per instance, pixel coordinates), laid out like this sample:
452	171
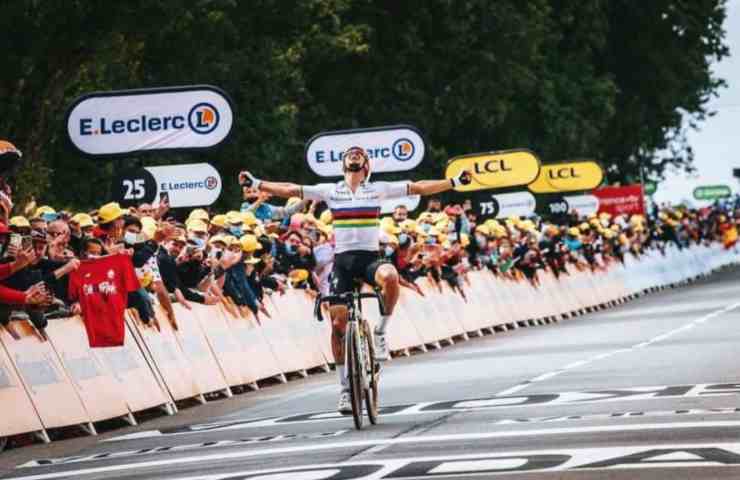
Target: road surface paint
306	449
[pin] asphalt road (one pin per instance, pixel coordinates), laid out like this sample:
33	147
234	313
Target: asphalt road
649	389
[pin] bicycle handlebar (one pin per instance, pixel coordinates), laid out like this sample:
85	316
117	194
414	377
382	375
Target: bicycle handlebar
347	298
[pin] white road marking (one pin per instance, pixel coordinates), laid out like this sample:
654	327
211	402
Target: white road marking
513	390
487	403
602	356
577	459
372	442
618	415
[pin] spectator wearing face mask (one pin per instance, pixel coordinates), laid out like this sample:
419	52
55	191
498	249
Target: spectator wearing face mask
192	268
170	255
292	254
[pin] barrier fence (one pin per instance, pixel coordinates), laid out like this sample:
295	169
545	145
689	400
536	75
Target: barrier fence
62	382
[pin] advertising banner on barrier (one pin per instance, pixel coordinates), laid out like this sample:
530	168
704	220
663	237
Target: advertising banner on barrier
396	148
124	122
584	205
551	205
189	185
411	203
489	205
621	200
510	168
568	177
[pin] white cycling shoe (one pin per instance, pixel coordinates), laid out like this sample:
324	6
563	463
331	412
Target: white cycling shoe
382	352
344	406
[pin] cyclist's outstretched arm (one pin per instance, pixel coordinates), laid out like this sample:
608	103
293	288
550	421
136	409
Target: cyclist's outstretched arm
279	189
431	187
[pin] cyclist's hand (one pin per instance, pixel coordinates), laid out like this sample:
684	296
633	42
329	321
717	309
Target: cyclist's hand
246	179
465	177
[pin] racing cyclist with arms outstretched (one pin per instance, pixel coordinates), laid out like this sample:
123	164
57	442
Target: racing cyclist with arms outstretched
355	204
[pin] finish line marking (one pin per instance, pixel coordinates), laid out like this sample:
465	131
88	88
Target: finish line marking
708	454
467	466
473	404
688	326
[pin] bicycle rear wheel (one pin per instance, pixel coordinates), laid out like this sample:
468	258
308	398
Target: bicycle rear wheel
373	375
354	371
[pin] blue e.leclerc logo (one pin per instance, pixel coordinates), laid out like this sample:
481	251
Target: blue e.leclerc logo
203	118
403	149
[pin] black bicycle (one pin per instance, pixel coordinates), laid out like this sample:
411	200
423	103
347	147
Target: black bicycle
359	352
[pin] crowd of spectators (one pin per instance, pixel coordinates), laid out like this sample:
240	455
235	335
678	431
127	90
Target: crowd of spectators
238	257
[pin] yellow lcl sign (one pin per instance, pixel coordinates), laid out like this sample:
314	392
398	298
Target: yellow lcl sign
568	177
492	170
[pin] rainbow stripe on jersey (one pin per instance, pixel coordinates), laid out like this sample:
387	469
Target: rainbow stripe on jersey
359	217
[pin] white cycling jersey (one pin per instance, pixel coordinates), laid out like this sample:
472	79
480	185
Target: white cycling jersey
356	215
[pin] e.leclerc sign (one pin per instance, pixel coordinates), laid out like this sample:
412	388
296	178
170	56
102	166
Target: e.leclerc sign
189	185
396	148
125	122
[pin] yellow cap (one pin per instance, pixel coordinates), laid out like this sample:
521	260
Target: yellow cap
230	240
233	217
19	222
440	217
490	223
217	238
198	226
252	260
426	217
326	217
199	214
109	212
298	275
574	231
83	220
41	211
219	221
483	229
250	244
248	219
584	226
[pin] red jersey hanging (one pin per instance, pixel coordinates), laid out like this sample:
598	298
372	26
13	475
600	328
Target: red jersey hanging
102	286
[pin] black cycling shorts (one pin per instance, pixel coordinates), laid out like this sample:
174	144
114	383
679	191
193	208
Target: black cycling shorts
357	264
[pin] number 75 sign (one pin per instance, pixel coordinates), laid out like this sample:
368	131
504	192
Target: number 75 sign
190	185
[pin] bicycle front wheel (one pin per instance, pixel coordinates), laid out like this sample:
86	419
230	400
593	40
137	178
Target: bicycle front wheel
354	371
373	375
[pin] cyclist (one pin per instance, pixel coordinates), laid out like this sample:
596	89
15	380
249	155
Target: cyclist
355	204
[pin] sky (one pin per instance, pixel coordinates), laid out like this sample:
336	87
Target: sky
717	144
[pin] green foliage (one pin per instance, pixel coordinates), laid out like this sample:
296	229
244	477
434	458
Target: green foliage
617	80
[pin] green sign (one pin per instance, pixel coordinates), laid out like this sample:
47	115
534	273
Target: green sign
650	188
712	192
